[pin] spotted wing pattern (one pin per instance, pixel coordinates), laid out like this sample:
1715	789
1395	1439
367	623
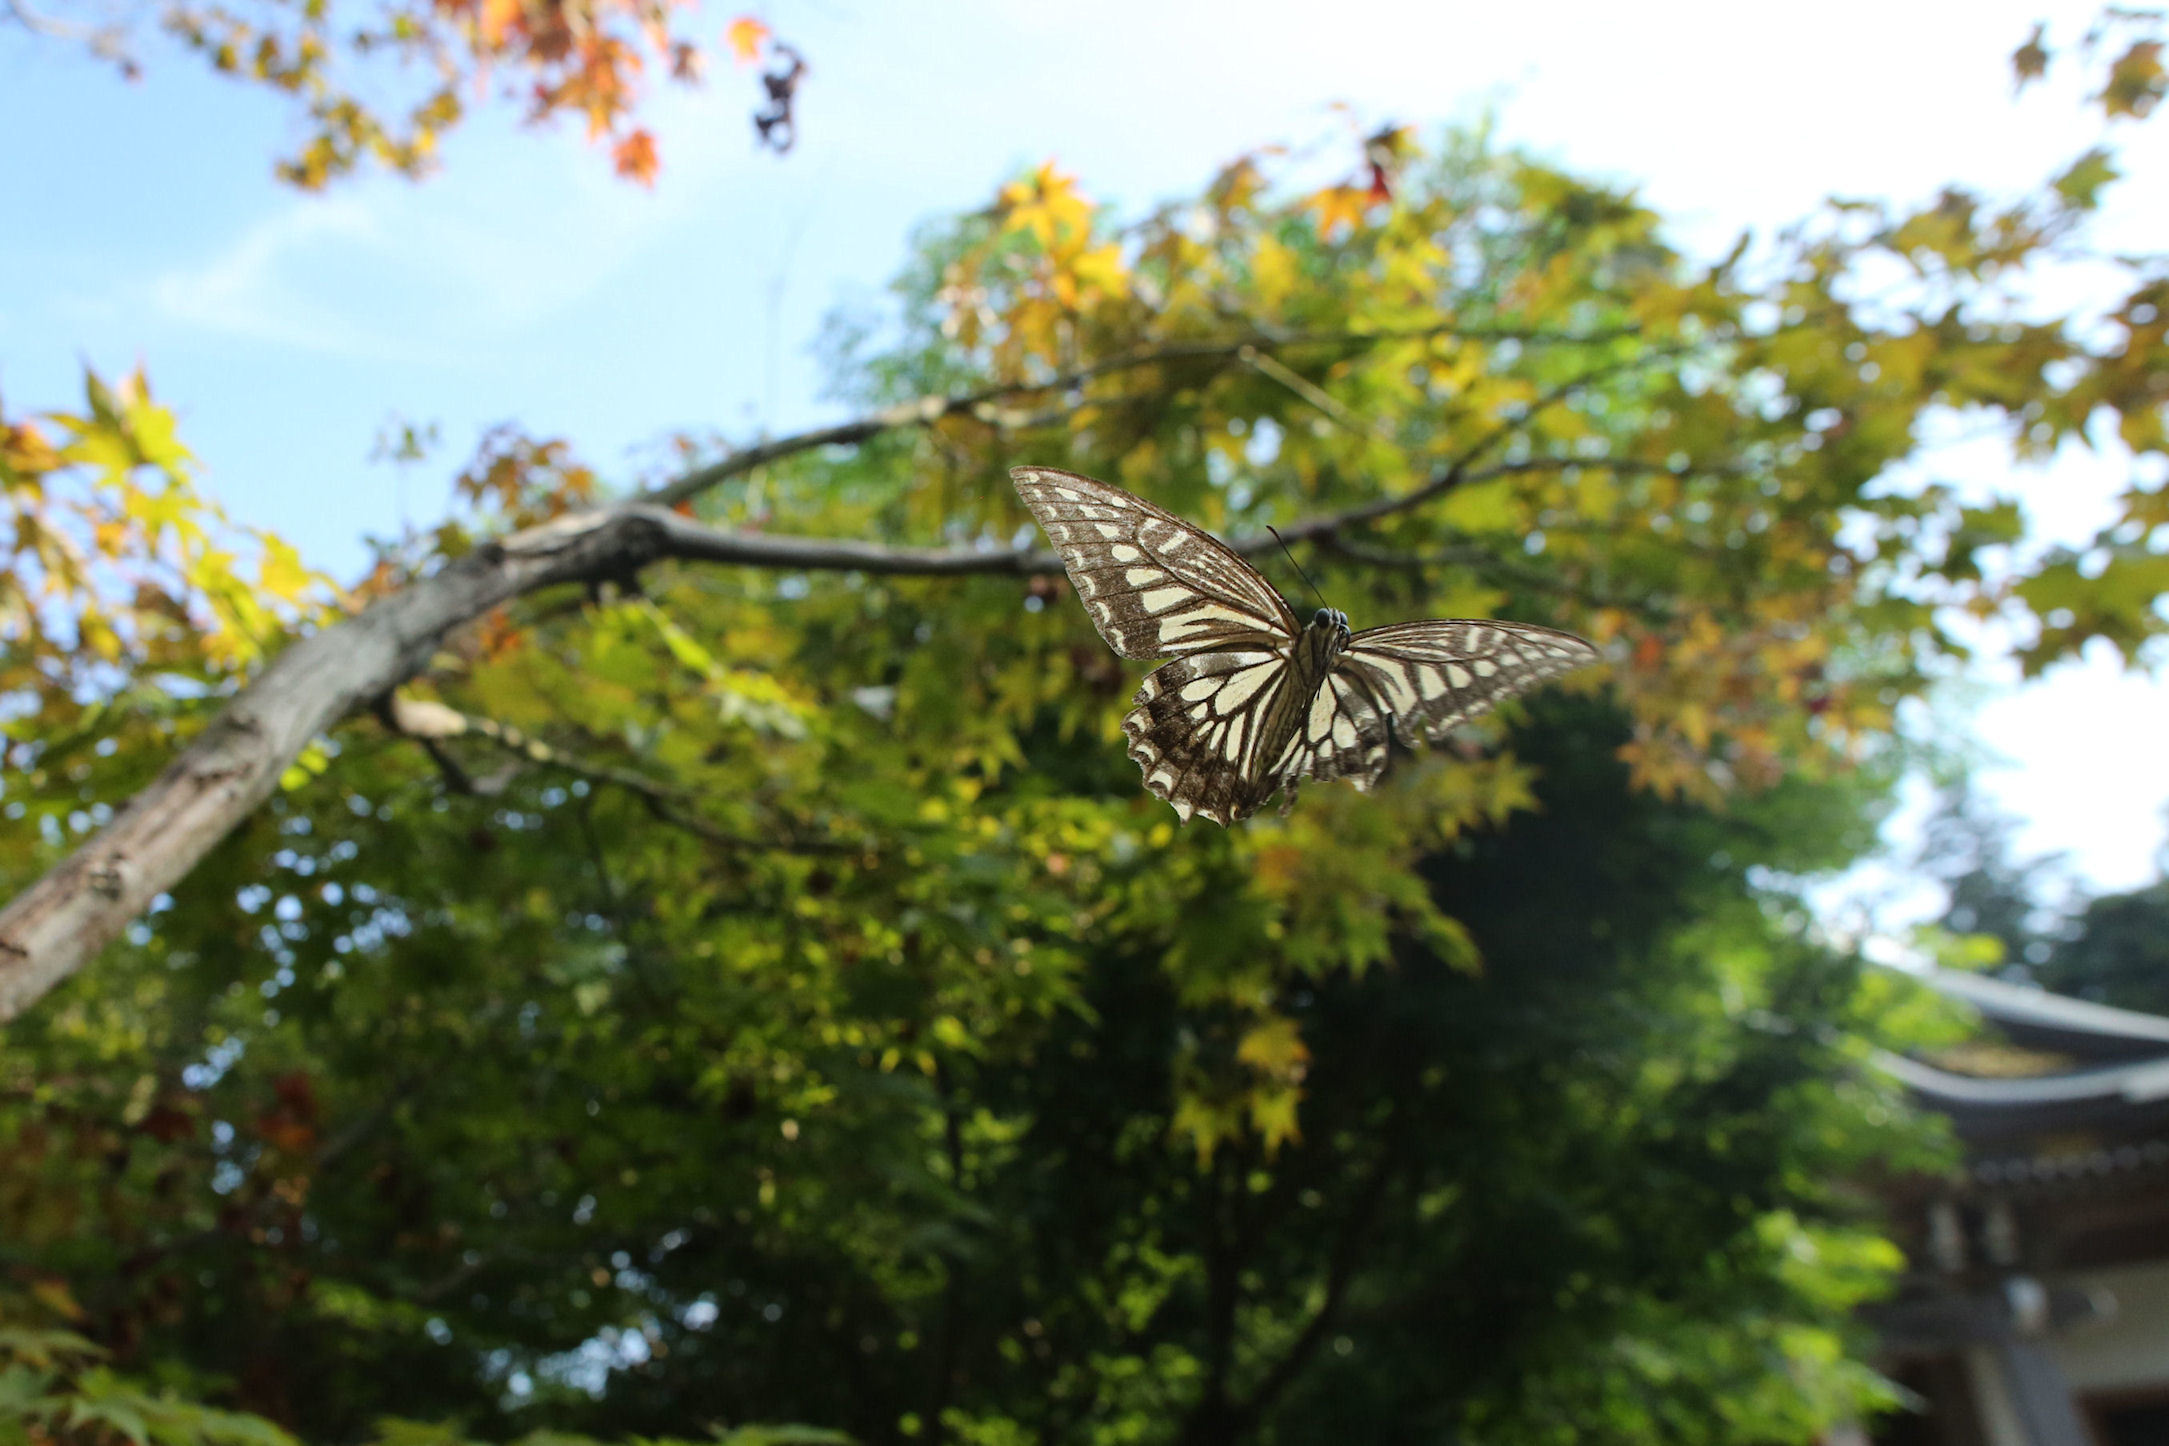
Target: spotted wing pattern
1418	682
1155	586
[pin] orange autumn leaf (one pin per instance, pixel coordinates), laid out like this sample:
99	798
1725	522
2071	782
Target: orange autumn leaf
635	159
497	19
746	36
499	636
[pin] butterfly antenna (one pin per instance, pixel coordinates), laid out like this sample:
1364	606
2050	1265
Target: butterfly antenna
1297	565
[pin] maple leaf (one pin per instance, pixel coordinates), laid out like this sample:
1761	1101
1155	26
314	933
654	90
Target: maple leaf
2136	81
1336	206
1099	268
282	573
1048	205
2080	184
1238	185
2030	61
1274	1047
634	157
745	36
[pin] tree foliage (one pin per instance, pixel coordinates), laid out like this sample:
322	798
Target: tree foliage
2117	951
733	995
384	83
2109	948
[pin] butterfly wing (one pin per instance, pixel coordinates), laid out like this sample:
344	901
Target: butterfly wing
1420	681
1155	586
1203	726
1344	735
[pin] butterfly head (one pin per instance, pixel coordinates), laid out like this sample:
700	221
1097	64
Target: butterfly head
1332	618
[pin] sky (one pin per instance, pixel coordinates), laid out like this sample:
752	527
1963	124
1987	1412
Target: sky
524	283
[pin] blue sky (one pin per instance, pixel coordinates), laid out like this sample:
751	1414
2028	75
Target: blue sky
524	283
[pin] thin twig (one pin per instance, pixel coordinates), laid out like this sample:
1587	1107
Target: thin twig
1488	563
1277	370
1455	473
1341	1263
926	411
429	722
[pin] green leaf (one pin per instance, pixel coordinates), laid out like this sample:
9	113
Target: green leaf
2081	183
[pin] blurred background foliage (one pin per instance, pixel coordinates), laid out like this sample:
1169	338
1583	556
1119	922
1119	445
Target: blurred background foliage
776	1001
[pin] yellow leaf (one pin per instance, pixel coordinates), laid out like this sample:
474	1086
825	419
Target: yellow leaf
314	760
1204	1124
1336	206
745	36
1048	205
282	573
1273	1116
1274	1047
1272	272
55	1297
1100	268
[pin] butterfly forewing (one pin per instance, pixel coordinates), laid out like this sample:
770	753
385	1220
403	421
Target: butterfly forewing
1434	676
1155	586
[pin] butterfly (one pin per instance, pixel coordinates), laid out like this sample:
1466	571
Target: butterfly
1254	701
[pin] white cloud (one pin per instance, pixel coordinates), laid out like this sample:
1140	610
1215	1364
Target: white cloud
255	287
387	270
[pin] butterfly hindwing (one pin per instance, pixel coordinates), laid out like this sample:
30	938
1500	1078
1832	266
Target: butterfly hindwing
1344	735
1202	724
1155	586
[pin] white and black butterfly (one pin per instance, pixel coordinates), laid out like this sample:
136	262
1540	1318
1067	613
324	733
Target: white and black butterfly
1253	701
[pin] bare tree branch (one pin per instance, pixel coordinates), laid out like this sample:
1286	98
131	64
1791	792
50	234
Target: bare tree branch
107	42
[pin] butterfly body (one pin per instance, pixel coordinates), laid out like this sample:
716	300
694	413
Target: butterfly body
1319	645
1251	702
1310	663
